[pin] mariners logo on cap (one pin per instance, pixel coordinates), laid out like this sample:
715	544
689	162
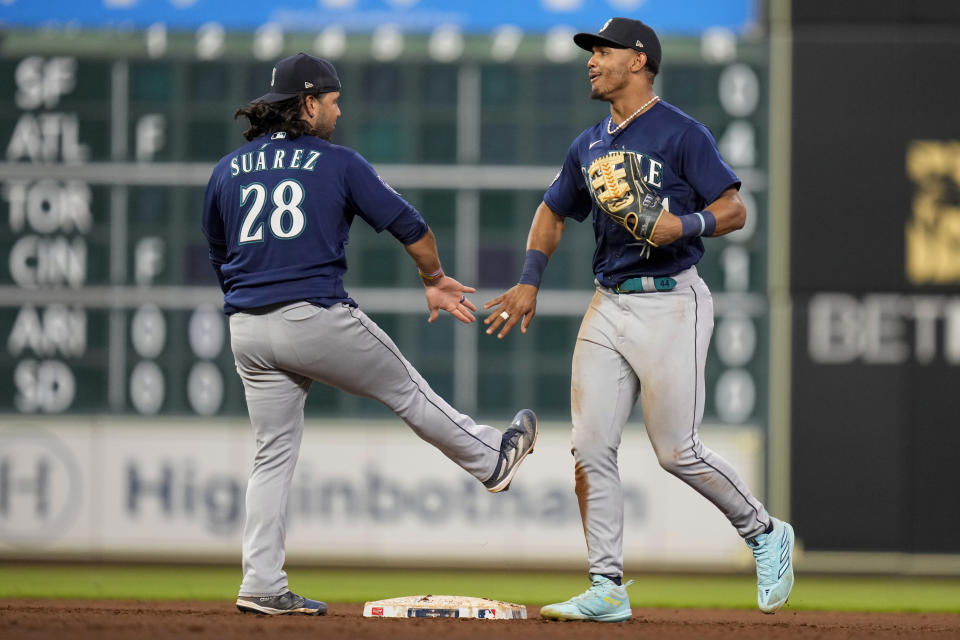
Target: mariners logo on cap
273	77
606	24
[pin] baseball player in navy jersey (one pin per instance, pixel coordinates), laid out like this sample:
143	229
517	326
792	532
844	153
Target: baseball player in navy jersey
656	185
277	215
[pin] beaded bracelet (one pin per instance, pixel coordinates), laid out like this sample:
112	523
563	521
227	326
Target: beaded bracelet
431	277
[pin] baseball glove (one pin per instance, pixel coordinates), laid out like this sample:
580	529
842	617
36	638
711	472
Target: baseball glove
617	186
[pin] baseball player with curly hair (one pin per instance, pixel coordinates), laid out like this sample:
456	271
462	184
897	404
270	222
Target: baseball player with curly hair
655	183
277	215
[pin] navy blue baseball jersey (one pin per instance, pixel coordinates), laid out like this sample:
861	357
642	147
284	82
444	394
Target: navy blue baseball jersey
679	161
277	214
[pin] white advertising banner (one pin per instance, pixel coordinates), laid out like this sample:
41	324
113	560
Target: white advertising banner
367	493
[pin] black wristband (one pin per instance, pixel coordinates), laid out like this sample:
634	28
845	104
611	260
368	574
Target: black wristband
698	223
533	266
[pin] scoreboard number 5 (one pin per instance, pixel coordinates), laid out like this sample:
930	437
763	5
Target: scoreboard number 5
286	219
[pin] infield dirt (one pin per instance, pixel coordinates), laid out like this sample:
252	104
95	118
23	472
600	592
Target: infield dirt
113	620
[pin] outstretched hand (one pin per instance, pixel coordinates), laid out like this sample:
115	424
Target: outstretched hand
509	308
450	296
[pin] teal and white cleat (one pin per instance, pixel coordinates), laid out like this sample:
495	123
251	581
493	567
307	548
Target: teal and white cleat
604	601
774	555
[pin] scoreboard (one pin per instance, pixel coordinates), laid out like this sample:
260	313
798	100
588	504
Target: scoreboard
108	304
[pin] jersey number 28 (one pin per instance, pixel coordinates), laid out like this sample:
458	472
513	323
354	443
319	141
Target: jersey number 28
286	220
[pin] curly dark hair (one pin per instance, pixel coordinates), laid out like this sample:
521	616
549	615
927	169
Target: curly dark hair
270	117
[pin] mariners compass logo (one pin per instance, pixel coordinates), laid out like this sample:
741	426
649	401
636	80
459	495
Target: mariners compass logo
933	232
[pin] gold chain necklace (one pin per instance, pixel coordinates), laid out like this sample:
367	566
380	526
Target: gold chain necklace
620	126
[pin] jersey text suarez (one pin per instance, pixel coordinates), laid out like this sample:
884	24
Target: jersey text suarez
277	214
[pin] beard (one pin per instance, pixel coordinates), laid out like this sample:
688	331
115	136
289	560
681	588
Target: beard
597	94
607	85
324	130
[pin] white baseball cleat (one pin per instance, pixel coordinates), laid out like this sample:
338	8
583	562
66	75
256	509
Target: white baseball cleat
774	555
517	444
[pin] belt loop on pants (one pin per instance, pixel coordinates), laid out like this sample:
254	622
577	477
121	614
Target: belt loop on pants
646	284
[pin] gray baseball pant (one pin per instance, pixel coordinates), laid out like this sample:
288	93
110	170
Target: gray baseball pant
278	355
652	346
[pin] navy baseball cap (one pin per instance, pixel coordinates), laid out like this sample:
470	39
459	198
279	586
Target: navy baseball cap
623	33
298	74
